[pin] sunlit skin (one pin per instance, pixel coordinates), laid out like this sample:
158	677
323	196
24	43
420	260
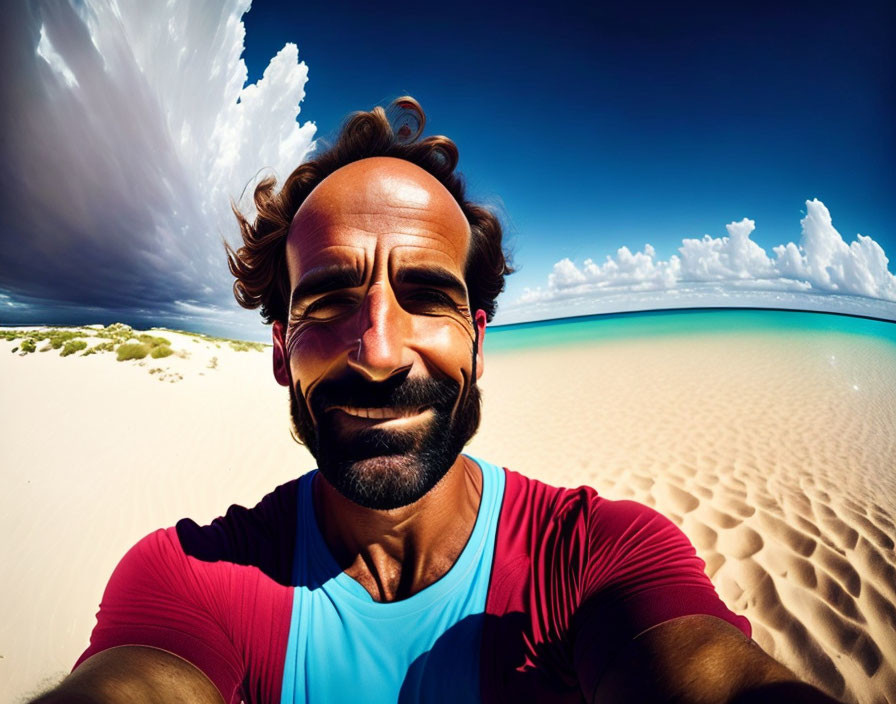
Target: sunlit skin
376	258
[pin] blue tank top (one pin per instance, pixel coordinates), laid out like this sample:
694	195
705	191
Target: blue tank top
345	647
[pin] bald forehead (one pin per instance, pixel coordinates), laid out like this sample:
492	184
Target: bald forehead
376	195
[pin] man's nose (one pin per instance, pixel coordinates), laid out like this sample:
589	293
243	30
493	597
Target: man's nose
384	327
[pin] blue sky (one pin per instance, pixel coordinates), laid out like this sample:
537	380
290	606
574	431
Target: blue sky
622	125
627	124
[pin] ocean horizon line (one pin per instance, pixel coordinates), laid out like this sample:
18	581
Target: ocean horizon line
685	309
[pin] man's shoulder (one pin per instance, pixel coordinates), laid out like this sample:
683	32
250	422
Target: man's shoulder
262	536
535	511
539	500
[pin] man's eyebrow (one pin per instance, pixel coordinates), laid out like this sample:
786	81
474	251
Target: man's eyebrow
323	279
431	276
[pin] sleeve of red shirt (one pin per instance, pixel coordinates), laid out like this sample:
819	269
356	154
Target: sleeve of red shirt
218	596
641	571
159	597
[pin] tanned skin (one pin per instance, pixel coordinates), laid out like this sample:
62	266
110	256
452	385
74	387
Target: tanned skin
135	675
382	217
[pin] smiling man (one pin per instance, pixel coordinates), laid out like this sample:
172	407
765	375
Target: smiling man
402	570
380	343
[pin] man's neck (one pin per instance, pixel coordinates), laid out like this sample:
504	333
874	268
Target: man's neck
395	554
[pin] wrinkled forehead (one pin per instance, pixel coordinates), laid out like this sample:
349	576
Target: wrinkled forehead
378	204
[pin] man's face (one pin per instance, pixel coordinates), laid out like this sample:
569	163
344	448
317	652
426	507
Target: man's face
381	351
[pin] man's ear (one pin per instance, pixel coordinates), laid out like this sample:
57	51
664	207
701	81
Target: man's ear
479	322
281	360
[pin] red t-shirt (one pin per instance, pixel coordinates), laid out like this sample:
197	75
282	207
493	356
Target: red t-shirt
574	578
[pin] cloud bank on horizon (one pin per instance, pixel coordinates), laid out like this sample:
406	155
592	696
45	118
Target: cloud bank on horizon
135	130
822	267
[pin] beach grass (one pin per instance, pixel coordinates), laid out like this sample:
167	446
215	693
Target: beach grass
131	350
126	342
72	346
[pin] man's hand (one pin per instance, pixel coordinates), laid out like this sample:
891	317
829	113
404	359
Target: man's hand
134	674
704	660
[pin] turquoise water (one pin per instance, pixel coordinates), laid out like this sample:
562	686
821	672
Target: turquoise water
681	322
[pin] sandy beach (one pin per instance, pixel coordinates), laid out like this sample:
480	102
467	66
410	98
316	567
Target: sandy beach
774	454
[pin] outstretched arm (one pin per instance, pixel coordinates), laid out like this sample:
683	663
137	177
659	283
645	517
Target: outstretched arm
700	660
134	675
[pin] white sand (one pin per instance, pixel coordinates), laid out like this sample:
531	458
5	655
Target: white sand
776	456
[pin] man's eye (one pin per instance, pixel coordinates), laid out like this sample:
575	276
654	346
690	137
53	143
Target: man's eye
329	306
430	298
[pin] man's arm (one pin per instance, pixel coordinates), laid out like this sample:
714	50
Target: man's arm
133	674
700	660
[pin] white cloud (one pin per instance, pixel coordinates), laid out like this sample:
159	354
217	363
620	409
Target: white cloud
732	257
827	263
46	51
135	128
822	263
639	271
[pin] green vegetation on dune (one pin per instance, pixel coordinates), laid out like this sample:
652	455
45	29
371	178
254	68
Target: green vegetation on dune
238	345
117	332
132	350
153	341
102	347
156	347
72	346
58	338
55	337
241	346
119	338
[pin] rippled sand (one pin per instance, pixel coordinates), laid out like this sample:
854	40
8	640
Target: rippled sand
774	454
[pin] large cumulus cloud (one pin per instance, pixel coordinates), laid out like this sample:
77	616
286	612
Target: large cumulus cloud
822	271
131	128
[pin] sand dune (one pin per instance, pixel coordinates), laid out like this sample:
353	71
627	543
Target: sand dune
775	455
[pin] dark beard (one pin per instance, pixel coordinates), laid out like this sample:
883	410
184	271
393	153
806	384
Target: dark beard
387	469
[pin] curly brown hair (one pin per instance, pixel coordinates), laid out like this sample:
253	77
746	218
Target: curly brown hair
259	265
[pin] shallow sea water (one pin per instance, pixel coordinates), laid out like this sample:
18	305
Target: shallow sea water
697	321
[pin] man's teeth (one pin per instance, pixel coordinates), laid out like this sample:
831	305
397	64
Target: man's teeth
377	413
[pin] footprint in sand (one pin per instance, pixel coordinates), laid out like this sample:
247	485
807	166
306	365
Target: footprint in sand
703	537
803	572
806	525
807	650
837	597
738	507
796	540
875	534
703	492
740	543
843	536
720	519
840	568
874	564
678	499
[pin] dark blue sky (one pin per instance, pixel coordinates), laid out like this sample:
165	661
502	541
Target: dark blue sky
624	123
594	131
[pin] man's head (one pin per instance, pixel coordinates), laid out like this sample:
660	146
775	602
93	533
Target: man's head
379	278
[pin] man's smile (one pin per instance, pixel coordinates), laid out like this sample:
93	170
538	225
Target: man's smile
386	416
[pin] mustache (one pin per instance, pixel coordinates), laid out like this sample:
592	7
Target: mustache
398	392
